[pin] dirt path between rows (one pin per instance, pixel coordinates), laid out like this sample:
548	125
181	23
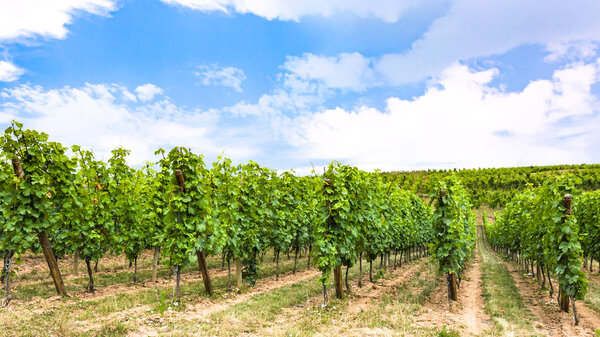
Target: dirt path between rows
365	297
202	311
470	297
118	288
163	282
550	320
467	315
362	299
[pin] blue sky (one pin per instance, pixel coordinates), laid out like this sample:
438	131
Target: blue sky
380	84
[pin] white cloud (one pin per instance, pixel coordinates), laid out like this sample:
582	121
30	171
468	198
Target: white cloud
571	50
474	28
46	19
230	77
9	72
462	121
101	116
22	21
471	29
386	10
146	92
350	71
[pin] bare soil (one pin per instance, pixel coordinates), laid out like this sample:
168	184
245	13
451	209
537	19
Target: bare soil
549	319
467	314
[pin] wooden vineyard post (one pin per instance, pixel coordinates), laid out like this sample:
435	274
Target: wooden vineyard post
177	281
76	263
200	254
204	271
564	298
155	263
337	270
238	273
451	277
7	266
339	284
52	264
452	286
44	242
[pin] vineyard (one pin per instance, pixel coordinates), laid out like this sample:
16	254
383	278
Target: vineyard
182	247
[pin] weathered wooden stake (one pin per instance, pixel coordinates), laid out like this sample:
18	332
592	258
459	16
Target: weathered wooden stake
238	273
337	278
452	286
155	263
309	250
228	273
135	269
7	267
204	271
550	281
177	280
360	270
44	242
295	260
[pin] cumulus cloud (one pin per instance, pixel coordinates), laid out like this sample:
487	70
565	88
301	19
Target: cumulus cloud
147	92
346	71
9	72
46	19
386	10
471	29
482	28
230	77
22	21
102	117
574	50
463	121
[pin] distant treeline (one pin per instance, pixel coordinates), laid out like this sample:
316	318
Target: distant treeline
497	186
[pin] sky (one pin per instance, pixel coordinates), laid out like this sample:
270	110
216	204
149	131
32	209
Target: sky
381	84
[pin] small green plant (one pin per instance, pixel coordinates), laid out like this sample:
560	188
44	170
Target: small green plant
448	333
113	329
162	303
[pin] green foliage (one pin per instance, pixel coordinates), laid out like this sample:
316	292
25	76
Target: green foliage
127	189
34	202
537	224
88	214
586	210
361	213
497	186
188	224
448	333
453	226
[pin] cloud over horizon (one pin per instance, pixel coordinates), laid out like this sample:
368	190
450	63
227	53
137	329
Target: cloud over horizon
460	121
382	84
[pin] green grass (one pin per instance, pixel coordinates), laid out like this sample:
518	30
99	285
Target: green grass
69	317
263	313
120	274
422	281
390	313
592	298
503	302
